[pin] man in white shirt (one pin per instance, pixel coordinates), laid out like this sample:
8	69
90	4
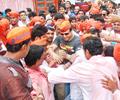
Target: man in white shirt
88	74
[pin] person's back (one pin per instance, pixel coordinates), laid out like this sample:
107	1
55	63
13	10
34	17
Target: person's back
104	66
13	77
15	83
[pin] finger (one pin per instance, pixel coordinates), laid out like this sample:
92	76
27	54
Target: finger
114	79
106	87
106	77
104	83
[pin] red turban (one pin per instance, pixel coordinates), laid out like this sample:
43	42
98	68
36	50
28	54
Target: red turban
116	52
4	27
13	14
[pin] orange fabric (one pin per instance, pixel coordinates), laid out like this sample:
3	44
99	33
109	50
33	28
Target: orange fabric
4	27
64	26
13	14
116	52
37	19
18	35
95	24
95	9
83	37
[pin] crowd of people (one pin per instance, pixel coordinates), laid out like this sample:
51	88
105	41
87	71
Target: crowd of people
69	53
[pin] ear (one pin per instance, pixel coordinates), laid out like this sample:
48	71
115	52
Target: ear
36	38
24	47
87	54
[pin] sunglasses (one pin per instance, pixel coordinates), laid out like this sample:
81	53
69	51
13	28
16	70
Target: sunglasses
65	34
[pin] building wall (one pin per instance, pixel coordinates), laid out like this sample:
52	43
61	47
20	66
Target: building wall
16	5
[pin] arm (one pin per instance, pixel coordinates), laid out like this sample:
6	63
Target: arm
51	52
111	84
75	73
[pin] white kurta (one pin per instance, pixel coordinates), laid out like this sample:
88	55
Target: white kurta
88	75
116	95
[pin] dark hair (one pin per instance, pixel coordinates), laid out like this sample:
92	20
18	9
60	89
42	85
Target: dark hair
84	17
1	13
93	45
58	16
34	54
38	31
22	12
41	12
71	19
50	28
43	15
29	10
32	14
7	10
63	6
52	9
16	47
101	19
95	31
108	51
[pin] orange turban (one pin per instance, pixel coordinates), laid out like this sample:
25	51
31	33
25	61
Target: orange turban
64	26
13	14
83	37
94	9
4	27
37	19
18	35
116	52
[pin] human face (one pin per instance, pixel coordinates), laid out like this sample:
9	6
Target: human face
77	8
80	13
67	4
50	35
23	16
116	26
25	50
66	35
42	58
73	23
62	10
43	40
13	21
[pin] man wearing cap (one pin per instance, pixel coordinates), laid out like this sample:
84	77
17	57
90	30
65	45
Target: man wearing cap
66	41
14	18
14	79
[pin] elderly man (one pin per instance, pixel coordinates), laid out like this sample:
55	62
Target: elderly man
88	74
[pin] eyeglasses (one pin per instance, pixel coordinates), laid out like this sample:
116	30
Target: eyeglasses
64	34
